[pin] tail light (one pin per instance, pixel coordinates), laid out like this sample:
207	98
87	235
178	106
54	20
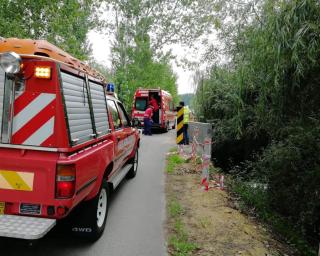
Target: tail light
65	181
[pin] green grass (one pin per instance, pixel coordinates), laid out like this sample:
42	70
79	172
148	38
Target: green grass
173	161
179	240
181	247
175	209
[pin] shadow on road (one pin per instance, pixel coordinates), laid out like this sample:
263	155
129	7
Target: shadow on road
57	242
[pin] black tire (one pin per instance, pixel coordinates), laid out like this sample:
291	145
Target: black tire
135	161
86	222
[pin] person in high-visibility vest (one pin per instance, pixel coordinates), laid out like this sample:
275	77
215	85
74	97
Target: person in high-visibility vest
186	113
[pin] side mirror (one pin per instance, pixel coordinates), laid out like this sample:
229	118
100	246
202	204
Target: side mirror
135	122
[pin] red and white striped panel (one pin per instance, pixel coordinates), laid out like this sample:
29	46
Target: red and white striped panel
33	121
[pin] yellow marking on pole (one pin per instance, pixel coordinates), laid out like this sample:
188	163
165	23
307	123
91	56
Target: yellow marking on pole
179	138
16	180
179	126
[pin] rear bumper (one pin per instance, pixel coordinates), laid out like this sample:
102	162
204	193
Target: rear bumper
22	227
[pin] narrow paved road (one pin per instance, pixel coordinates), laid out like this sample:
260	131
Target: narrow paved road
136	214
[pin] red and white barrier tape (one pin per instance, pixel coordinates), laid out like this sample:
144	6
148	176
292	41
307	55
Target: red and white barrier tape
206	183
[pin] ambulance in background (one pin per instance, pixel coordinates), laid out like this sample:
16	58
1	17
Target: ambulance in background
166	117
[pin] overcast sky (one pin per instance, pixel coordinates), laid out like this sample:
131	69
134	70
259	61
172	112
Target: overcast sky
101	49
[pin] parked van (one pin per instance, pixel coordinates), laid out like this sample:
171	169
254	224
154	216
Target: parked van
165	118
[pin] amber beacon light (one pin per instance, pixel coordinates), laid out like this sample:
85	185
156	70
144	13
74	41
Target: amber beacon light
42	72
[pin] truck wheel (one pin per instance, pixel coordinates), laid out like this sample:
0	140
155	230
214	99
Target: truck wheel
133	171
92	216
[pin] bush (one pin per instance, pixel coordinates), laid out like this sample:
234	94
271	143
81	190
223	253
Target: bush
292	168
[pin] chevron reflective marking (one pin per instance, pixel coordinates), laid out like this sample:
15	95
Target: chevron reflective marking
33	121
16	180
41	134
179	138
180	126
31	110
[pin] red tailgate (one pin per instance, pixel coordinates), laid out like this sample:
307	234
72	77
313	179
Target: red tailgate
27	176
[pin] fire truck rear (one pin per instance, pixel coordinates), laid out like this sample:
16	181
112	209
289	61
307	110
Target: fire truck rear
164	117
63	142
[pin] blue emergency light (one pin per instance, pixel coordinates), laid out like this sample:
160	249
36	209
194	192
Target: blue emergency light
110	87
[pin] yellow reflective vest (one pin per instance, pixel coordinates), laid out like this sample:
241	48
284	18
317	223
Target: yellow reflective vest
186	113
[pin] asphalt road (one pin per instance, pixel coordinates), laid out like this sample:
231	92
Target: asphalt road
135	225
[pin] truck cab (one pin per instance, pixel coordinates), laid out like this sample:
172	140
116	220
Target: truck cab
65	141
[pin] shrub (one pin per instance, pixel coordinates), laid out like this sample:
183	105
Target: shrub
292	168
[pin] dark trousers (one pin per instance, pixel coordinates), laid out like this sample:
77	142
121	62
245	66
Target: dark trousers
147	126
185	134
155	117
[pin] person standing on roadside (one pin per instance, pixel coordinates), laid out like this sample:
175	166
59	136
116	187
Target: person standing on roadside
155	105
147	120
186	113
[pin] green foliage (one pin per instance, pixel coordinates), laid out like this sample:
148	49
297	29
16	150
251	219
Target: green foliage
135	67
173	161
175	209
181	246
269	92
141	29
255	198
179	241
217	100
293	173
63	23
187	98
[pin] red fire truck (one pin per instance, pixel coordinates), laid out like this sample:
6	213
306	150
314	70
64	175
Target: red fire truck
165	119
65	143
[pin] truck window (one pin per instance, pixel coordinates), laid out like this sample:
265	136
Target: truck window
115	114
124	116
141	104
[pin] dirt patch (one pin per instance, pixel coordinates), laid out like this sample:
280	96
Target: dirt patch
210	223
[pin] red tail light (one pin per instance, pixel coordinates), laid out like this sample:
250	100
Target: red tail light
65	181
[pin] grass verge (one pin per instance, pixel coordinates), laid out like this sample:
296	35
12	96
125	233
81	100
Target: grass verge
173	160
205	223
178	241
